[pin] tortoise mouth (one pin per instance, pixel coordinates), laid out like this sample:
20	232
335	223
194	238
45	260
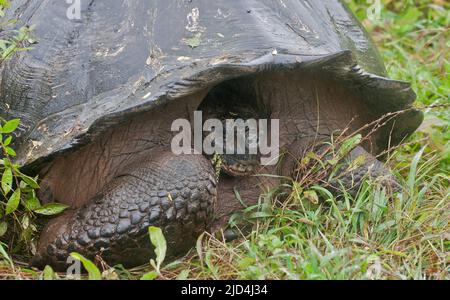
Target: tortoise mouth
238	168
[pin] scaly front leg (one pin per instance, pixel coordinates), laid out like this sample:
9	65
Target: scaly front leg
175	193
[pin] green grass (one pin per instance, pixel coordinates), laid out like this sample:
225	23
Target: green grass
373	236
406	237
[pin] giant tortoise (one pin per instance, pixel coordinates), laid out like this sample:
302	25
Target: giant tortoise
97	97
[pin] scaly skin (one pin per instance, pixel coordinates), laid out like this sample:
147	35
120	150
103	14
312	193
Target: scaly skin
350	180
177	194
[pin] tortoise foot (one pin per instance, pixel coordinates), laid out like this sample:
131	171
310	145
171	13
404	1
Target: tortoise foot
175	193
360	165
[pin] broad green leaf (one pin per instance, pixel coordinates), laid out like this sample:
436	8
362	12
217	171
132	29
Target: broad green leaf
6	162
183	275
4	3
32	203
7	179
7	141
150	276
91	268
51	209
10	126
48	273
10	151
159	242
349	144
13	202
30	181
